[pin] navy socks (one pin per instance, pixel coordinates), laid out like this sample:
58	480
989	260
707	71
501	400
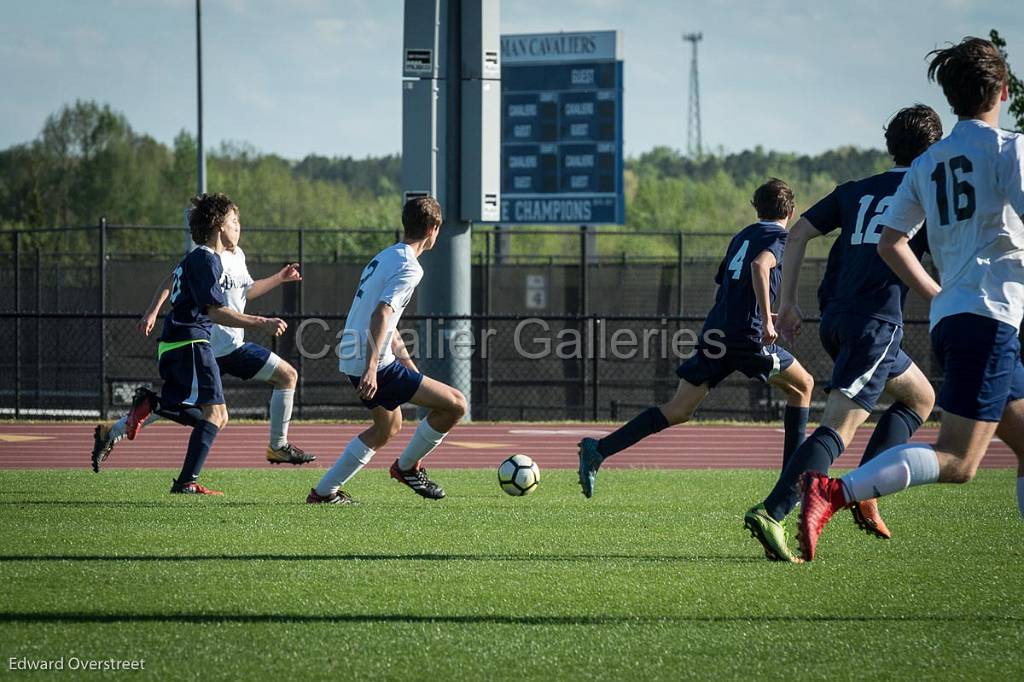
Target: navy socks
816	454
895	427
636	429
199	444
796	431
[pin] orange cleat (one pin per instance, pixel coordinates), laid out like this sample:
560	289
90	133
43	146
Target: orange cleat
867	518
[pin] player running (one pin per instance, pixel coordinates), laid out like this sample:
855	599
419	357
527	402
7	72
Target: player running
738	335
374	357
861	304
969	187
192	394
235	356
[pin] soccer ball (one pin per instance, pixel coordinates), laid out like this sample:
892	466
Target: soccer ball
518	475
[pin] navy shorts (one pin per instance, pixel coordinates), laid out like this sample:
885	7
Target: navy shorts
396	385
191	376
756	362
248	361
981	366
866	353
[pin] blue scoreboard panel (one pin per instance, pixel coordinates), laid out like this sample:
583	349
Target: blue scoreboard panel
561	132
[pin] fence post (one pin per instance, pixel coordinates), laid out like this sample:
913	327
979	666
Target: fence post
486	359
302	311
595	351
103	317
584	311
39	328
679	270
17	324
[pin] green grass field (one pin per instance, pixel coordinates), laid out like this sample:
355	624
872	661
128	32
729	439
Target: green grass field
654	578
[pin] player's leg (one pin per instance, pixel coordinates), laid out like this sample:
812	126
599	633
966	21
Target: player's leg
913	400
106	436
1011	432
357	454
795	381
445	406
983	371
592	452
283	378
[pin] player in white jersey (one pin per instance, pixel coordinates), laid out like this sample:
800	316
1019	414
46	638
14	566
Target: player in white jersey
970	189
235	356
373	356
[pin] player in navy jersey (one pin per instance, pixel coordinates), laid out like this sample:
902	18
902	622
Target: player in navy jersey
970	189
861	304
192	394
738	335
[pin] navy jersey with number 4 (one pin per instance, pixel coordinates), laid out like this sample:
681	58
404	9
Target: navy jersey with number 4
856	279
195	286
736	312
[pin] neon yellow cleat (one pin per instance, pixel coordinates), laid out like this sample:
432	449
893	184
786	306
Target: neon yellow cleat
770	533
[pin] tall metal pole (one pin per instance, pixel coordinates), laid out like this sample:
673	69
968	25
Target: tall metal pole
200	151
693	134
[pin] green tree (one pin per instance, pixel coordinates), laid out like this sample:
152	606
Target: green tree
1016	87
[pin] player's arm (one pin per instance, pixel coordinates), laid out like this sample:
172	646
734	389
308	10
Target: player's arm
148	319
790	317
760	271
374	342
289	273
894	248
226	317
401	352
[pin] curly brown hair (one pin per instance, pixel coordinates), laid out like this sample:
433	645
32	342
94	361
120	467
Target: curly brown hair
773	200
911	131
207	213
972	74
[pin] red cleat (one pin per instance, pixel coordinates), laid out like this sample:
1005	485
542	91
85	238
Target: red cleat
867	518
821	498
142	407
193	489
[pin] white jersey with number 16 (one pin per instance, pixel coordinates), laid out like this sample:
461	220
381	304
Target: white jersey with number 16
391	277
970	188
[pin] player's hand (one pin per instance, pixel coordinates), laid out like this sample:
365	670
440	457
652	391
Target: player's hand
768	333
274	326
290	273
788	322
368	384
145	324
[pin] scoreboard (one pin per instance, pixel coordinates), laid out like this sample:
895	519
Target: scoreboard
561	128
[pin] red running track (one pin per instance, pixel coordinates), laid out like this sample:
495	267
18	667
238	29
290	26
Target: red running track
690	446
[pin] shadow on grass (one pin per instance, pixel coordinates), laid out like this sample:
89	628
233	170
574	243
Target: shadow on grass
137	503
667	558
475	619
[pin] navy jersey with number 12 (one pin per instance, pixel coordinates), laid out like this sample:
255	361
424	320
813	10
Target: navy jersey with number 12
736	313
195	286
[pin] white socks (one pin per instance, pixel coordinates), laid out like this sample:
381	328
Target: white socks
281	401
1020	496
420	445
354	458
118	428
894	470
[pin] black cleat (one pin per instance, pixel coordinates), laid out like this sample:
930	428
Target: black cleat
289	454
102	444
418	481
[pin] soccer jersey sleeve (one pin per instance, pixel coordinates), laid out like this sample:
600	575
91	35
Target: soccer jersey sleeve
825	215
204	281
777	246
1010	174
398	287
905	213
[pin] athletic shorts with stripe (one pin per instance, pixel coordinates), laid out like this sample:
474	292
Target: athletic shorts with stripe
711	366
867	354
191	376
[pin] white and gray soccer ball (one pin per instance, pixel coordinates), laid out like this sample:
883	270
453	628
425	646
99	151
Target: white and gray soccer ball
518	475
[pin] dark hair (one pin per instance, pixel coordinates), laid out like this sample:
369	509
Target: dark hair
911	131
419	215
972	74
773	200
207	213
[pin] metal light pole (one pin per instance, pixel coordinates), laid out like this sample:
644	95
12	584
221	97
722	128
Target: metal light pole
200	152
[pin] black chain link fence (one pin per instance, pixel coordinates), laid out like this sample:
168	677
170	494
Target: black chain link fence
566	325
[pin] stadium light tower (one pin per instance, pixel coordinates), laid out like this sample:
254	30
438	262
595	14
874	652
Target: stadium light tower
694	146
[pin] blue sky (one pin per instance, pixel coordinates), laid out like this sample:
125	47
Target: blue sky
294	77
